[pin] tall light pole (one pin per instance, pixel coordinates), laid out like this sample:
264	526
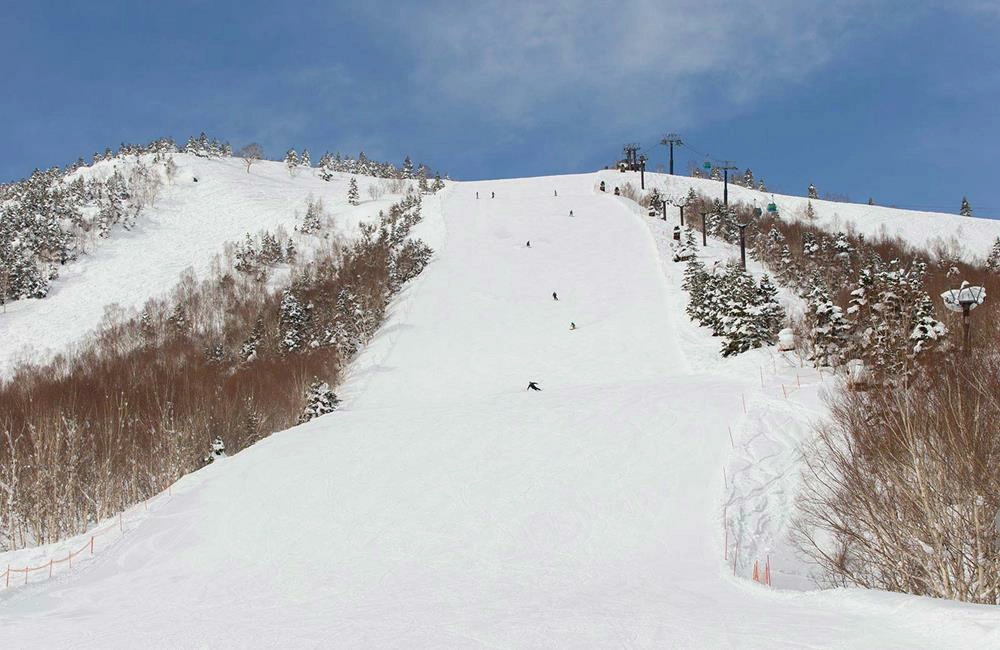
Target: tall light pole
642	171
671	139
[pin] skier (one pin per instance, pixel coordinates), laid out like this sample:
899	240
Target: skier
554	296
555	192
572	326
532	386
493	195
529	243
571	213
602	186
477	195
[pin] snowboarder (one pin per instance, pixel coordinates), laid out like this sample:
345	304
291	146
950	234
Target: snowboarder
532	386
572	326
554	296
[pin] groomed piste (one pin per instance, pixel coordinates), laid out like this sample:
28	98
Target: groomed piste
444	505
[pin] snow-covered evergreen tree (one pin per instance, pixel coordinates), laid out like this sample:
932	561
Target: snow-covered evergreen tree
993	260
312	222
811	191
748	178
292	319
326	167
304	160
407	170
216	451
353	197
320	400
966	209
248	351
291	160
829	330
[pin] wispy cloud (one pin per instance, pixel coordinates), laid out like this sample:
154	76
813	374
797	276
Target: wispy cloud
520	62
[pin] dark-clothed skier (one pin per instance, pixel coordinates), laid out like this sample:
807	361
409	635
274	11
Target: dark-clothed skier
532	386
555	296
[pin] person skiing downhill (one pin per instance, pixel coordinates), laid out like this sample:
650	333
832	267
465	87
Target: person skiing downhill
555	296
477	195
529	244
493	195
533	386
572	325
571	213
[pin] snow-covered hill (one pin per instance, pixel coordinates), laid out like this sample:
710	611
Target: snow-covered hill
187	227
445	505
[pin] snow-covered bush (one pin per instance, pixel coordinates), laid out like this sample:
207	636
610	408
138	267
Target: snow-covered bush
320	400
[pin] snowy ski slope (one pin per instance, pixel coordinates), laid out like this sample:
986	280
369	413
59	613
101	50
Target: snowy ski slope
445	506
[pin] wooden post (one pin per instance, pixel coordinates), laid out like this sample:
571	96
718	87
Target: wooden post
50	567
91	544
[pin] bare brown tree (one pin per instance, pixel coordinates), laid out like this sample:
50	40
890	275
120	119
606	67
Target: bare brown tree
250	154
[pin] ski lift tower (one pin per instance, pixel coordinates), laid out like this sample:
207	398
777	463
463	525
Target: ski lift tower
964	299
727	165
743	243
671	139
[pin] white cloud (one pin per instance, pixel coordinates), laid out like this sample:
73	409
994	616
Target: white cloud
627	62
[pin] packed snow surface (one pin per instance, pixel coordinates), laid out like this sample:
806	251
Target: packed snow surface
446	506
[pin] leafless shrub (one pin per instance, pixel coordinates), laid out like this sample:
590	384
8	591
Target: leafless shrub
396	185
629	191
377	190
144	185
902	488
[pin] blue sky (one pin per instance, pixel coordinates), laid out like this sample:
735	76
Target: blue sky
893	100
